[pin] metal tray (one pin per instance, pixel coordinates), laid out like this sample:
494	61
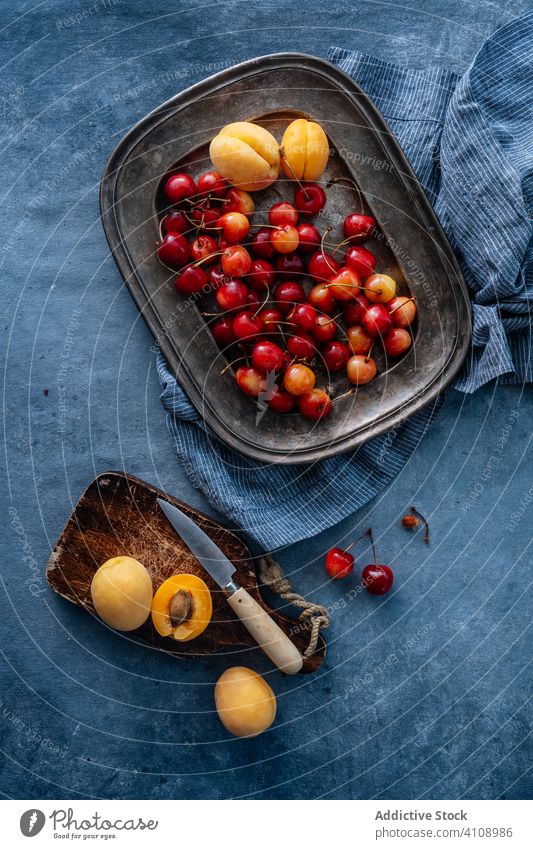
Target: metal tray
413	249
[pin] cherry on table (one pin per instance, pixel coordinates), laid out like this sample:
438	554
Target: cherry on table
232	295
396	341
287	294
361	260
204	216
237	200
283	213
271	318
402	311
310	198
335	355
325	328
176	222
261	275
235	226
222	330
289	265
281	401
250	380
345	284
377	578
212	183
174	250
180	186
302	345
236	261
253	299
203	247
320	297
285	239
315	405
339	563
191	280
376	320
303	316
322	266
361	369
298	379
260	244
358	227
267	356
246	325
353	311
309	238
359	342
216	277
380	288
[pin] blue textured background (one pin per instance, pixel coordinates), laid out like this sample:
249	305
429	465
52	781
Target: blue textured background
424	694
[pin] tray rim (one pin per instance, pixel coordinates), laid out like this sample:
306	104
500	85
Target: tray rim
406	175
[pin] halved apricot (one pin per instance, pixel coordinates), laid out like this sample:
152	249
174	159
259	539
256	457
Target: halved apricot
182	607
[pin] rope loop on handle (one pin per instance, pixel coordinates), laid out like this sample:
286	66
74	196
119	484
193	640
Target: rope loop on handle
272	576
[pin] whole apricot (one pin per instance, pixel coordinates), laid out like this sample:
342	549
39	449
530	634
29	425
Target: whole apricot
305	150
246	704
246	155
121	590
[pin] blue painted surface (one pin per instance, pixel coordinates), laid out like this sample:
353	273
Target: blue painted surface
424	692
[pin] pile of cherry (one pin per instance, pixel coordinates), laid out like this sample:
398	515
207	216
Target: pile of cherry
281	333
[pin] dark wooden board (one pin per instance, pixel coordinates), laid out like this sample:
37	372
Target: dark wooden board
119	514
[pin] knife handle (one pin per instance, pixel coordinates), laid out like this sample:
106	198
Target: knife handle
269	636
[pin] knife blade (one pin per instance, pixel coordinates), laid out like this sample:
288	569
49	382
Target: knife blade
268	635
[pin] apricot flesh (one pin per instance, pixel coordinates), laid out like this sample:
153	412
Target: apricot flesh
305	150
121	590
195	613
246	155
245	703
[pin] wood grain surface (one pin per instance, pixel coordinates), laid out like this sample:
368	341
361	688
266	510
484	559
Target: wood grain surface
118	514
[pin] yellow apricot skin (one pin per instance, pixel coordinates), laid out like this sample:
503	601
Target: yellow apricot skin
121	590
246	155
305	150
200	602
245	703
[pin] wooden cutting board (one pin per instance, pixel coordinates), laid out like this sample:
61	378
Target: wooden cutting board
118	514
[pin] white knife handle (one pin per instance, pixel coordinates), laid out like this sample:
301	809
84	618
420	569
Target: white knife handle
274	642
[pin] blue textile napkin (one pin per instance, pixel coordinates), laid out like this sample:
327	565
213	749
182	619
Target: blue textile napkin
470	142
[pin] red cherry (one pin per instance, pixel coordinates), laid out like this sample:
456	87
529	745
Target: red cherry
310	198
358	227
212	183
322	266
232	295
339	563
396	341
309	238
261	275
260	244
271	318
202	247
254	299
345	284
283	213
361	369
376	320
178	187
175	222
238	200
320	297
216	277
359	341
325	328
204	216
287	294
335	355
353	311
246	325
191	280
235	226
250	380
281	401
289	265
402	310
285	239
222	330
302	345
174	250
377	579
303	316
361	260
315	405
236	261
267	356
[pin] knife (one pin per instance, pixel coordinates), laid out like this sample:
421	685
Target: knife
268	635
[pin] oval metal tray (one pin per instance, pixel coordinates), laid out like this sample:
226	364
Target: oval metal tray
412	248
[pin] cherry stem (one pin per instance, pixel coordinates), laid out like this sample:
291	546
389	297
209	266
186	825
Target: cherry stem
324	234
287	163
344	395
369	351
366	533
426	525
263	304
230	365
168	268
371	535
353	185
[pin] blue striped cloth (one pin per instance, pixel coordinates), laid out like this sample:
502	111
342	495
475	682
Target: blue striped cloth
470	142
